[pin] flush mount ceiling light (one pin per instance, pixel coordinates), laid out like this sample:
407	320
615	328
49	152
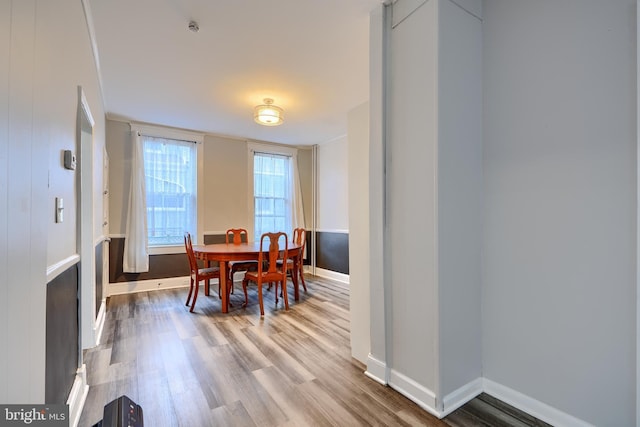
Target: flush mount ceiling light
268	114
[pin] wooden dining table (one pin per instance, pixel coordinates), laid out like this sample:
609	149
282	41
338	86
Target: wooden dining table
225	252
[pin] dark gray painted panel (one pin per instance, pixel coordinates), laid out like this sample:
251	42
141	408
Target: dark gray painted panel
332	251
307	255
160	266
210	239
62	344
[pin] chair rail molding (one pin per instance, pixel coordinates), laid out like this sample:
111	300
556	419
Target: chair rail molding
61	266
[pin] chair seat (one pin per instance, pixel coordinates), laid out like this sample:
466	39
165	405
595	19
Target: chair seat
266	276
243	265
209	272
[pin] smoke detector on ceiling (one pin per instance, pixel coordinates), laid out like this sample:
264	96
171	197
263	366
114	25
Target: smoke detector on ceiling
193	26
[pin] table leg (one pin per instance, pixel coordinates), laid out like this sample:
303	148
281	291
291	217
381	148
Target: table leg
223	287
294	277
207	284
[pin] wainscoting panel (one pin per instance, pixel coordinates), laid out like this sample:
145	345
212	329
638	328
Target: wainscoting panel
332	251
62	344
210	239
160	266
176	265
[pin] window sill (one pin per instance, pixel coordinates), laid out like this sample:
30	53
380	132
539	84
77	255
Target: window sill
164	250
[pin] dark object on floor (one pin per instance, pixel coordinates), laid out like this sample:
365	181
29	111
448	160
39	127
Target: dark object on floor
121	412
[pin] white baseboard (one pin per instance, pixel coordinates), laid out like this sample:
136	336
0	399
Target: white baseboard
333	275
531	406
149	285
462	395
376	370
99	325
77	396
414	391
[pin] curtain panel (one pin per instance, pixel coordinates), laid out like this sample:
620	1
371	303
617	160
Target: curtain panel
136	252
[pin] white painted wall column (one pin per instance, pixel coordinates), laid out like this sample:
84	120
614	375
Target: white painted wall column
377	357
432	170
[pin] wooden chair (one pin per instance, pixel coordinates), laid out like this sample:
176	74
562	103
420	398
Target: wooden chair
274	273
234	235
197	274
299	238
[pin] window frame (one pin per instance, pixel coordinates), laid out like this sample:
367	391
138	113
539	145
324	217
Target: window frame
252	148
198	139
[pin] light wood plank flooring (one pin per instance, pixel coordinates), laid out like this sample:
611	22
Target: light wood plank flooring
211	369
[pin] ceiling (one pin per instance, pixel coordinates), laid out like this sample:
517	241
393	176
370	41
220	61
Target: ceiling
310	56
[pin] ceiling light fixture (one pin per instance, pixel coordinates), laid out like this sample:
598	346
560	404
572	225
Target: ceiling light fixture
268	114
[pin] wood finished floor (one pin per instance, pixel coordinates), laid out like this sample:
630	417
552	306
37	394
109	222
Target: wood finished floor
291	368
211	369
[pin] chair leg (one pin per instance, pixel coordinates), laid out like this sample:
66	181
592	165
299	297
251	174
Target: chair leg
229	280
190	291
276	293
244	288
229	292
284	294
304	285
260	298
195	295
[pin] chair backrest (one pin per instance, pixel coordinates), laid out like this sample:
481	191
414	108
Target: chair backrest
235	235
299	236
188	246
275	251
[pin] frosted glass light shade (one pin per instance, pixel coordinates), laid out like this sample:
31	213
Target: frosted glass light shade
268	114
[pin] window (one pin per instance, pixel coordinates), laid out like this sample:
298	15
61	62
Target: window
276	198
170	167
271	193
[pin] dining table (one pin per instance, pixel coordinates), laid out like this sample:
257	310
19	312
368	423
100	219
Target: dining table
225	252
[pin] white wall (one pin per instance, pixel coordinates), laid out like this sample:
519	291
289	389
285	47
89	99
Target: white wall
358	154
226	177
49	55
305	171
59	83
333	194
559	292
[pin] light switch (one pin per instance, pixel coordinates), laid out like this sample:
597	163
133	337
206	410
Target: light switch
59	209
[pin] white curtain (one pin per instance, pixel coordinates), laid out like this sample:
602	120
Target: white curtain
136	253
170	167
